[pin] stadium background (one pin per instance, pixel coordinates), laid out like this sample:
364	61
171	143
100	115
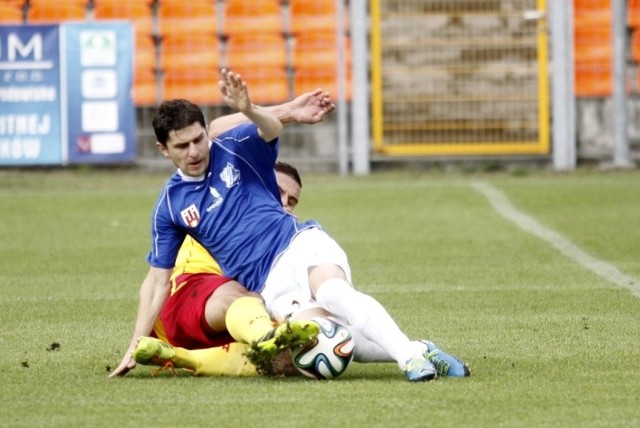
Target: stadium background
456	79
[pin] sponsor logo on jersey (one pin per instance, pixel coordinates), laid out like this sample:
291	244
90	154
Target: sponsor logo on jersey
230	176
190	215
217	199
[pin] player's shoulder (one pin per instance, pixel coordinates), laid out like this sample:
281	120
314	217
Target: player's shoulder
174	189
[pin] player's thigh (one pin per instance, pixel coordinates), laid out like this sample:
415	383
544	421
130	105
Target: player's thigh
218	303
311	313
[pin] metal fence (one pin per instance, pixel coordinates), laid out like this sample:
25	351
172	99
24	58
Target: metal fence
459	77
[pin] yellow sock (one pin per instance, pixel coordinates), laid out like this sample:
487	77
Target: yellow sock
184	359
225	360
248	320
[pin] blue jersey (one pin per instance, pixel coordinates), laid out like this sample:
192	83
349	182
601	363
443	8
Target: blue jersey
234	211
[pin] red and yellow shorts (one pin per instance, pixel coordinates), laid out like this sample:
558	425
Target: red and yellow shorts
182	320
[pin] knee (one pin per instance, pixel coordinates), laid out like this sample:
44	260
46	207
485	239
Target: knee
220	300
320	274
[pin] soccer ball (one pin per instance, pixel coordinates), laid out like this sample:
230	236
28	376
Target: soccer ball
328	355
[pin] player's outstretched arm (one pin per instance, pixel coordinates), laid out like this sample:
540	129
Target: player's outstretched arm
236	94
153	293
309	108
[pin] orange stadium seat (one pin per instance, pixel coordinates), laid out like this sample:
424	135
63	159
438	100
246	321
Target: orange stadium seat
138	13
592	13
633	13
635	45
197	85
145	89
593	80
178	2
80	3
267	85
256	16
256	50
145	53
314	15
309	79
148	3
186	51
53	12
591	4
15	3
593	44
185	17
10	14
318	49
315	61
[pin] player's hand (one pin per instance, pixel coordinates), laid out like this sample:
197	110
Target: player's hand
234	91
312	107
127	363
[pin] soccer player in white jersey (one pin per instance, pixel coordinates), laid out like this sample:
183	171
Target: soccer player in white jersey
225	195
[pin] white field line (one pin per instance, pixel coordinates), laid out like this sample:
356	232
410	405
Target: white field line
607	271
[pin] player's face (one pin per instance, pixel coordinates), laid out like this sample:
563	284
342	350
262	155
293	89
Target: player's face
188	148
289	191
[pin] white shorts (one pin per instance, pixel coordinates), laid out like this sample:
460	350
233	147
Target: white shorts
286	290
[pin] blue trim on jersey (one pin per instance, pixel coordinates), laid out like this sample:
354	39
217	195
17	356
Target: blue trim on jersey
234	211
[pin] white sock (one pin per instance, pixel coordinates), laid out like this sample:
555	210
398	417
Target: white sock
366	351
367	317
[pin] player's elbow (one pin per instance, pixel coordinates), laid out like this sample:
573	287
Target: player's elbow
272	132
213	130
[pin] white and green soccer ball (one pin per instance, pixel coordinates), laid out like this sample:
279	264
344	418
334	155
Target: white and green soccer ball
327	356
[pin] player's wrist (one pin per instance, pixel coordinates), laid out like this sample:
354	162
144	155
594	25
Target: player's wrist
284	112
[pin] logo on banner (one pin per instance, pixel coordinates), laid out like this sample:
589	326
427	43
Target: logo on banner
98	48
16	54
190	216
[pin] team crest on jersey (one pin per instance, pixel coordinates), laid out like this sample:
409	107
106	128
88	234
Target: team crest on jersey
191	215
230	175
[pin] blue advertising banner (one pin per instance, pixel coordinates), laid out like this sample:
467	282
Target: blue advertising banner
30	115
65	94
99	66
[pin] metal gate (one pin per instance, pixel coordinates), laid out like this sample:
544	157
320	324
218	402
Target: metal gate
459	77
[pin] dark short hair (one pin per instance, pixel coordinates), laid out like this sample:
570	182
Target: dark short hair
290	170
173	115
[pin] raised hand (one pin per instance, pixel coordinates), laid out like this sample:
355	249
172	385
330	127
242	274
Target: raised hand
311	107
234	91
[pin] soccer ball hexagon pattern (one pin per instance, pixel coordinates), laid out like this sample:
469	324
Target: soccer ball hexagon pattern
329	355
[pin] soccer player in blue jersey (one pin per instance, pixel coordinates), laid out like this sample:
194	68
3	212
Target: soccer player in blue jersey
203	304
225	196
183	343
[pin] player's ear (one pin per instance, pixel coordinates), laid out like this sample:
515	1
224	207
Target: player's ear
162	149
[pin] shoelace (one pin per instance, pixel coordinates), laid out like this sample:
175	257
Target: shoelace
442	367
168	366
413	364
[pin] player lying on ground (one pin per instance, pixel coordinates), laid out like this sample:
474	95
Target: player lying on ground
197	316
258	230
229	359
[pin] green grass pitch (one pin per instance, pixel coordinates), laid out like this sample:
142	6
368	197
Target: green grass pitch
549	341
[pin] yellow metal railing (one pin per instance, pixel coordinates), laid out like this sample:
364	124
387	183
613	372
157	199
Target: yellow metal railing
452	78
